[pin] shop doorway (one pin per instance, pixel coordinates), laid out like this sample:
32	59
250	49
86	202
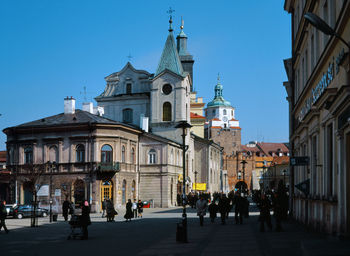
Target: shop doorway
106	191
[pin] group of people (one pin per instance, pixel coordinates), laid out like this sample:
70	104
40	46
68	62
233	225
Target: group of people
224	206
108	210
133	210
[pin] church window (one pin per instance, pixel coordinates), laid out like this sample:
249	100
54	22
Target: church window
225	113
127	115
213	111
53	151
166	112
167	89
80	154
132	156
106	154
128	88
225	125
152	156
28	155
232	113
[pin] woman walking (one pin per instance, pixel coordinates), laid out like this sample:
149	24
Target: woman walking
128	215
85	219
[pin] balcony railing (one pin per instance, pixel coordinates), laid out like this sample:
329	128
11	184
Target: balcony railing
107	167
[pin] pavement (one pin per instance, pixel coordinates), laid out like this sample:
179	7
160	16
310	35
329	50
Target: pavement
155	234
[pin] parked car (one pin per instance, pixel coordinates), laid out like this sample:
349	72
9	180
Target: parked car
9	209
21	211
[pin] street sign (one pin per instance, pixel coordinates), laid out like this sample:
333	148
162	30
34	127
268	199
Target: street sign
299	160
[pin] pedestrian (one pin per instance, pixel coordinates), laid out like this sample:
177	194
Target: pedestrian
128	215
277	206
134	209
65	209
85	219
223	208
71	208
140	208
110	211
213	209
265	206
239	203
104	206
3	214
201	206
178	199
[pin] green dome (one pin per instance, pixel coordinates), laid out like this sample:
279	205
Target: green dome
219	99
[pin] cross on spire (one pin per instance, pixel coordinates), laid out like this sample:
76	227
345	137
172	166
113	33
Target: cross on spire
129	57
170	12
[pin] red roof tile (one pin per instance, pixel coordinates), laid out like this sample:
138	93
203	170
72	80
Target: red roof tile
194	115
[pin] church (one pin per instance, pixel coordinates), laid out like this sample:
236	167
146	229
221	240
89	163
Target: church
128	147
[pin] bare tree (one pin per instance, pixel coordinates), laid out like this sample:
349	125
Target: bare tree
31	175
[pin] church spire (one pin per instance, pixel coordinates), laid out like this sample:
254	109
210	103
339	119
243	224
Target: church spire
170	19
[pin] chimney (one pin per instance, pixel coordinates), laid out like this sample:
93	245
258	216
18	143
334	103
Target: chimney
69	105
88	107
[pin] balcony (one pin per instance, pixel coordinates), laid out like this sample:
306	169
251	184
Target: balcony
108	167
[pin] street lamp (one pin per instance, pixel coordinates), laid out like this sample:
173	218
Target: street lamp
51	166
225	182
321	25
184	125
284	176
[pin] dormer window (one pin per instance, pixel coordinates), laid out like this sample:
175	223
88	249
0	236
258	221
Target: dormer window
128	88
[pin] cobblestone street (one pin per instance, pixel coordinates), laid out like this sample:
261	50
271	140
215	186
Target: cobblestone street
155	235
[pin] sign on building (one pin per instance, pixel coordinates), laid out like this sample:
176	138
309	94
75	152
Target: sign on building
299	160
200	186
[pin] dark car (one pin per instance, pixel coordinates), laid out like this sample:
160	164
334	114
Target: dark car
21	211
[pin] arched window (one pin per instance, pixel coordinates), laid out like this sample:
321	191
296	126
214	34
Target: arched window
166	112
80	154
152	156
127	115
132	156
106	154
28	155
172	156
128	88
224	112
133	189
123	154
53	154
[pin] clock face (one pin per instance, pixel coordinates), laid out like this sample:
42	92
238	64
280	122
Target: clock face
167	89
224	119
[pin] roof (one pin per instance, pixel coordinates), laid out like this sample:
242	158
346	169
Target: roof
196	116
251	149
236	127
2	156
218	100
170	58
280	160
267	147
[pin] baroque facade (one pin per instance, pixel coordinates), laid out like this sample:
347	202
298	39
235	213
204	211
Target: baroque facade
319	108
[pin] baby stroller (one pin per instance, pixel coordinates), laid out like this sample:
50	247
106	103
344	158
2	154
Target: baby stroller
75	227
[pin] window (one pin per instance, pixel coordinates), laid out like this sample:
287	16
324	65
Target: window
167	89
132	155
312	45
106	154
224	112
127	115
123	154
166	112
128	88
53	154
330	159
28	155
152	156
80	154
213	111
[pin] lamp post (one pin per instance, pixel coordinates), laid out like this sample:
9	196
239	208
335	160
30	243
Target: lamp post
184	125
225	182
51	167
264	168
195	182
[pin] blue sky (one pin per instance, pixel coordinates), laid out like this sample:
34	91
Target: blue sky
52	49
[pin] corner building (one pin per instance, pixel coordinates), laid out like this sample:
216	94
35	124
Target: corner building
319	109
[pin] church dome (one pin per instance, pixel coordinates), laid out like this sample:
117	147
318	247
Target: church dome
219	100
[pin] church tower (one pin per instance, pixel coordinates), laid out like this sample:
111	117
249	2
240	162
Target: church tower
170	93
185	58
221	125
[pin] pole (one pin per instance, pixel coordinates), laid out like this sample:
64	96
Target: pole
50	191
184	215
195	182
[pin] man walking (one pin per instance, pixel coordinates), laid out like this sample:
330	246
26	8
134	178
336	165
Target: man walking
238	201
201	206
134	208
3	214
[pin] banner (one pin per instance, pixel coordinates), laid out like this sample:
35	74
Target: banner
199	186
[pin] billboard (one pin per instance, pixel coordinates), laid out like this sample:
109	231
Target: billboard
199	186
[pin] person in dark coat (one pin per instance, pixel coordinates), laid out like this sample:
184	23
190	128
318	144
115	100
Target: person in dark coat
239	203
277	206
223	204
110	211
65	209
85	219
104	207
178	200
213	209
128	215
3	214
265	206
